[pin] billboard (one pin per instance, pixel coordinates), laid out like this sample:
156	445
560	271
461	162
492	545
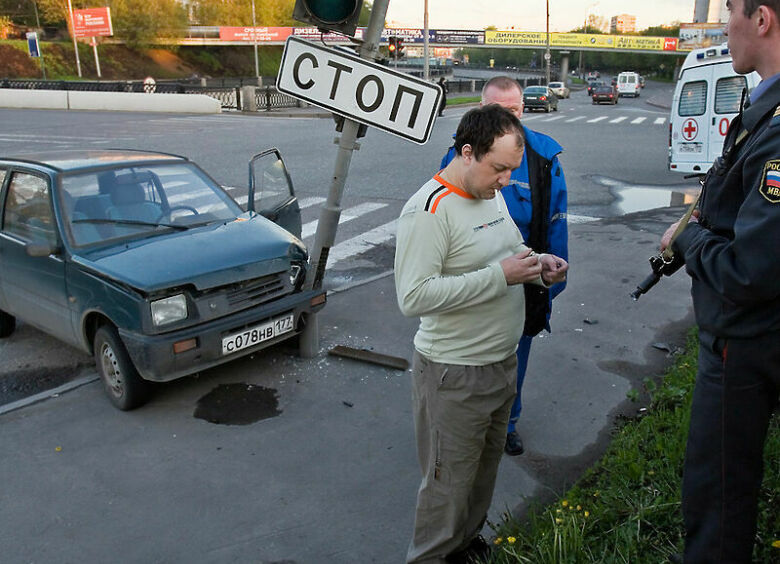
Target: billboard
254	33
92	22
581	40
697	35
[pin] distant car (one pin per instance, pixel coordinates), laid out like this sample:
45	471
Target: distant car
605	94
593	74
142	260
540	97
593	84
560	89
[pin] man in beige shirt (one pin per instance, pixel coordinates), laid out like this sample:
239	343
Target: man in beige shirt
460	265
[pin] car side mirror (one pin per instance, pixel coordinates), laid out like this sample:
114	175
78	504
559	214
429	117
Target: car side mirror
40	249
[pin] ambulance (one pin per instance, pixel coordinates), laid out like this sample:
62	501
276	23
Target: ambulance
707	97
628	84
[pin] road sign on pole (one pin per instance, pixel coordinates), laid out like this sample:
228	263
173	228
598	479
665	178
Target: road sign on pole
32	44
359	89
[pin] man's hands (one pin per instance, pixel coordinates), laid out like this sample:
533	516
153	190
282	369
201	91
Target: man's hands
666	240
553	269
527	266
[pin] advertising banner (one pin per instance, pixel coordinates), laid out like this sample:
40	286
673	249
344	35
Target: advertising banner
697	35
646	43
464	37
92	22
258	34
580	40
314	34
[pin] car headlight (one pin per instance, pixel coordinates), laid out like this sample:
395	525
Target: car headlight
169	310
297	275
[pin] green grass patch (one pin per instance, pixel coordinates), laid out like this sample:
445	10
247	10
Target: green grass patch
626	508
463	100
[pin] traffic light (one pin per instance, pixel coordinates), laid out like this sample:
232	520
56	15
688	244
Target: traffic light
340	16
392	47
399	47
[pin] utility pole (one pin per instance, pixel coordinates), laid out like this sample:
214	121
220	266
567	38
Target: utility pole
73	33
426	69
547	55
254	39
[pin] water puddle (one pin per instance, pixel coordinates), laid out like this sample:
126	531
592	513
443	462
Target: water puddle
238	404
631	198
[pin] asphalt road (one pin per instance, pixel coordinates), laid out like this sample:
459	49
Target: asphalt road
328	472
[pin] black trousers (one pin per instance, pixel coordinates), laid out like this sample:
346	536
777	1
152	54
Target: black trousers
735	395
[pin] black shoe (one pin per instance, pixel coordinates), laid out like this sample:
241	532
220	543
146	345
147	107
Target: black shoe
676	558
514	444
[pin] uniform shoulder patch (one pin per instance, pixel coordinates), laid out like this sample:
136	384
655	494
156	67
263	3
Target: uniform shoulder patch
775	118
770	183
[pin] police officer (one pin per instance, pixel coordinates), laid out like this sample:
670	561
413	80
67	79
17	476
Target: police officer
731	252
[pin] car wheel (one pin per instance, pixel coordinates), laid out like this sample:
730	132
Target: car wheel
123	385
594	102
7	324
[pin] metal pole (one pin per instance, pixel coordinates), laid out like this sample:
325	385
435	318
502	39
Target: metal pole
97	59
38	27
331	211
254	38
73	33
426	69
547	55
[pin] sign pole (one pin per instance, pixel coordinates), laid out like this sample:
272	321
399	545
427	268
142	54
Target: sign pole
97	59
254	40
73	32
331	211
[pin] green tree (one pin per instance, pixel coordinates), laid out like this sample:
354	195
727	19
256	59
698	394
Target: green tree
139	22
239	13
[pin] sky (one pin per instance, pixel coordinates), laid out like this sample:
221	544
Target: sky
530	15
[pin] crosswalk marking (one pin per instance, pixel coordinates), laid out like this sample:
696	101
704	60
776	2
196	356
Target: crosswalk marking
597	119
554	118
659	121
618	120
575	119
349	214
638	120
308	202
362	242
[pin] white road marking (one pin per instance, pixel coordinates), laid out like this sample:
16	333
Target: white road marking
638	120
575	119
594	120
618	120
363	242
554	118
349	214
659	121
573	218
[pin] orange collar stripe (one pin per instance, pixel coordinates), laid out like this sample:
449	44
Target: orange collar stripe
437	200
453	188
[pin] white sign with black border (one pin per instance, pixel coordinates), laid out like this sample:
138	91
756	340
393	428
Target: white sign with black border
358	89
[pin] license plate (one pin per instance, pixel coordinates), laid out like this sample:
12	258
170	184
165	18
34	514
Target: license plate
690	147
257	334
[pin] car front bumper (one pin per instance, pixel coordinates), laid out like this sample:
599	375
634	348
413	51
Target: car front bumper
154	358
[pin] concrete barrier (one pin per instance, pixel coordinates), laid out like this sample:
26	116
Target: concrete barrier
42	99
109	101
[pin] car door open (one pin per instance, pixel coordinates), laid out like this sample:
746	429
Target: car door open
271	191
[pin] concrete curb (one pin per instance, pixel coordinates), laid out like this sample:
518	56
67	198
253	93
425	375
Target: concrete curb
47	394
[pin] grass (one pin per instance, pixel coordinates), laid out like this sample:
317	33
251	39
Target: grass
463	100
626	509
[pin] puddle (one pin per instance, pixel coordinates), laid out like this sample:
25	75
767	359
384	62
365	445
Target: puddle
238	404
632	198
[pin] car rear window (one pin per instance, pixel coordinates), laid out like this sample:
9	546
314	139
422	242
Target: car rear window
728	94
693	98
536	90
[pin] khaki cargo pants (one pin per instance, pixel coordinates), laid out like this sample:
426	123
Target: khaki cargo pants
460	419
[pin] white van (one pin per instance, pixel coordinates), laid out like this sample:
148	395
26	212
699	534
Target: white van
628	84
706	99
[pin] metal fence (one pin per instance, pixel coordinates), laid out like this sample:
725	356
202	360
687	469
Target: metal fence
266	98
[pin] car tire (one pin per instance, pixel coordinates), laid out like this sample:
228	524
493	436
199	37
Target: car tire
123	385
594	102
7	324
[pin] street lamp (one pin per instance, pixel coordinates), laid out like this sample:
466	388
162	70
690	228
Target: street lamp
585	30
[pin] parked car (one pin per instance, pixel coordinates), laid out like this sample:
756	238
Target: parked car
594	84
540	97
560	89
142	260
605	94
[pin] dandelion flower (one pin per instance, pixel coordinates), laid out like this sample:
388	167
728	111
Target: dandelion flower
587	514
579	508
776	544
565	503
558	520
498	540
596	493
511	540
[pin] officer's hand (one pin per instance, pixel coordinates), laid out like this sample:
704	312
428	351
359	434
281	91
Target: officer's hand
553	269
522	267
667	237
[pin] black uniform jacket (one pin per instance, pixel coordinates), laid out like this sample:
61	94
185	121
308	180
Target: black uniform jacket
733	253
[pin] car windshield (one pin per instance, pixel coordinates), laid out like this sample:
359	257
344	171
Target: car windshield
536	90
139	201
604	90
556	84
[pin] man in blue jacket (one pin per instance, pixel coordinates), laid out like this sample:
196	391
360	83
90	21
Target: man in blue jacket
536	198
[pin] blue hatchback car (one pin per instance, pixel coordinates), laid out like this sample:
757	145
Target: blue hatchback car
144	261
